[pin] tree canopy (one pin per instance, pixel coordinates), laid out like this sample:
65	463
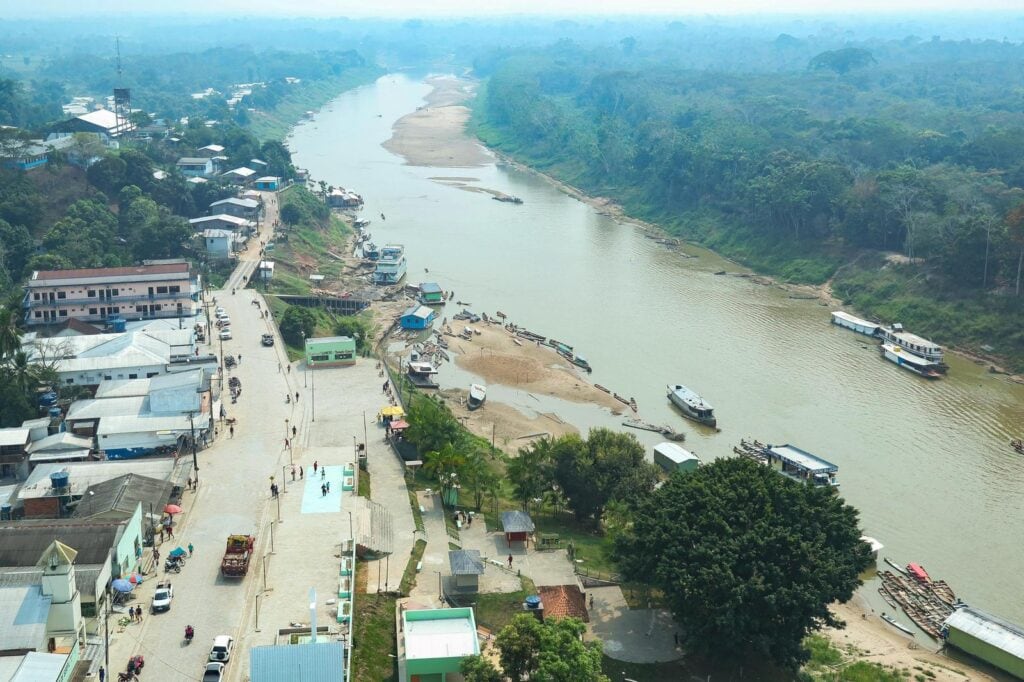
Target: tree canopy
748	560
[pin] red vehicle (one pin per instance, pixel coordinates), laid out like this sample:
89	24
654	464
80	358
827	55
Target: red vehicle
237	555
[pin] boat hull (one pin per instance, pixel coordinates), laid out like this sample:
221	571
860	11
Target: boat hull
901	359
689	412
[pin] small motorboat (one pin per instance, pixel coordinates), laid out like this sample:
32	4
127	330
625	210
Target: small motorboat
899	569
477	396
1018	445
899	626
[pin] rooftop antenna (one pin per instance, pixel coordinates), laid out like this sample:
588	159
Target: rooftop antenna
122	97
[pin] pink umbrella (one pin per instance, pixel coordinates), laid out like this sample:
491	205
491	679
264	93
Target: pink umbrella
135	579
172	509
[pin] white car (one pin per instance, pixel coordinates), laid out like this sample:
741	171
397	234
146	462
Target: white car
225	334
162	597
214	672
221	650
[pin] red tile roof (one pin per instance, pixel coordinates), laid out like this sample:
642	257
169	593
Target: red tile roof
159	269
561	601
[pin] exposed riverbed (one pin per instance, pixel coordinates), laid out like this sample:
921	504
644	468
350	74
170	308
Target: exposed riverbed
928	464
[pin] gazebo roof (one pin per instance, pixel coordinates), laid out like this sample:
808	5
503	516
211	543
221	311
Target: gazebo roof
516	522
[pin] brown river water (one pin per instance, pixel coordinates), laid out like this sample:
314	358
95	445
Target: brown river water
927	463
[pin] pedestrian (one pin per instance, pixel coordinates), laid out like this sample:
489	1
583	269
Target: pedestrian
232	430
302	472
287	444
161	533
279	368
510	561
170	532
290	371
103	673
296	394
592	601
323	473
138	613
323	490
328	484
295	431
190	549
316	463
293	472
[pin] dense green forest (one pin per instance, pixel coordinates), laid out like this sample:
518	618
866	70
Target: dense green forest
893	169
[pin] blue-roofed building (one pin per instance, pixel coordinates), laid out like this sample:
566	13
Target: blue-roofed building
431	294
320	662
801	465
24	610
417	317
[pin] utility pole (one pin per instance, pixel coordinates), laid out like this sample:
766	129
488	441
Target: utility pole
195	460
312	383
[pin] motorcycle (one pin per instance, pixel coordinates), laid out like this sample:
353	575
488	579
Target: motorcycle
189	634
173	565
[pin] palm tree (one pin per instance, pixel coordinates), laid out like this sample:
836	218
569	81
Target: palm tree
444	465
10	338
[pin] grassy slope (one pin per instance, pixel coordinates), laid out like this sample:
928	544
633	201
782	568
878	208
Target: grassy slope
943	311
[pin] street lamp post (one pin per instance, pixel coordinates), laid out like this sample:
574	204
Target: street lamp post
312	383
305	362
195	460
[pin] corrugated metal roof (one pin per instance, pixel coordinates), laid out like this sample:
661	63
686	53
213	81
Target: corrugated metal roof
16	435
466	562
990	629
221	218
123	495
37	666
100	408
146	424
60	442
235	201
675	452
83	474
105	273
23	614
320	662
23	542
516	522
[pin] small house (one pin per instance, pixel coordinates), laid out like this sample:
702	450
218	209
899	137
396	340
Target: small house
241	176
268	183
211	150
467	567
431	294
517	526
563	601
330	351
218	242
323	661
221	221
233	206
258	164
672	457
195	167
417	317
436	641
14	452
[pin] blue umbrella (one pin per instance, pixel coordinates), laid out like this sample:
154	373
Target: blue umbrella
177	551
122	585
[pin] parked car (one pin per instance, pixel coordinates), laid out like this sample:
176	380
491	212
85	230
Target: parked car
225	334
214	672
162	597
267	339
221	650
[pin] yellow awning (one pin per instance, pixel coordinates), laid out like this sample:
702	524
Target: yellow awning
392	411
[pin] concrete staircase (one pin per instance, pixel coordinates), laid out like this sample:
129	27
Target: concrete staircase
372	527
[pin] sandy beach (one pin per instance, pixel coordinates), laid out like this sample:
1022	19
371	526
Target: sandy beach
434	134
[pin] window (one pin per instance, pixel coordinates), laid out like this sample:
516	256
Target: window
38	314
133	376
92	311
35	296
175	290
158	307
70	381
62	294
107	377
161	290
150	375
63	313
320	357
113	292
343	355
115	310
91	293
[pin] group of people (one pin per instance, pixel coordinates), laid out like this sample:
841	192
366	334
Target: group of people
135	613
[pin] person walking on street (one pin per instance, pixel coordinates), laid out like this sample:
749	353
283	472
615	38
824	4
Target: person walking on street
293	472
232	430
170	532
316	463
302	472
323	490
295	431
290	371
103	673
296	396
323	473
328	484
510	561
287	445
190	550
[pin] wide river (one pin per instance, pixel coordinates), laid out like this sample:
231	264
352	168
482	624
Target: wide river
927	463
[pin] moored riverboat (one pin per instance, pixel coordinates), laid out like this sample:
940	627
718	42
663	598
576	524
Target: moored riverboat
692	405
910	361
848	321
391	265
919	346
477	396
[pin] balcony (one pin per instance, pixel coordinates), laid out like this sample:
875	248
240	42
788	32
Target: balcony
96	301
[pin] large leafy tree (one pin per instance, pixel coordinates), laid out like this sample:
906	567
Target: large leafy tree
296	324
748	560
431	425
531	472
552	651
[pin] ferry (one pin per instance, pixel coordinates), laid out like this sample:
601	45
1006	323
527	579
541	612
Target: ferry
391	265
857	324
692	405
910	361
917	345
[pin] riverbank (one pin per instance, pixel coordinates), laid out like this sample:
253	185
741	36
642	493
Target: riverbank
433	135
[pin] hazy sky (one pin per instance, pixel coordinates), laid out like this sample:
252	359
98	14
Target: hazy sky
392	8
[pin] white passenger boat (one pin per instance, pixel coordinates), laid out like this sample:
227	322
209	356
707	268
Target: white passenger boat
477	396
391	265
855	323
692	405
911	362
917	345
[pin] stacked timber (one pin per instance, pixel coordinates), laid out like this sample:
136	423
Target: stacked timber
928	604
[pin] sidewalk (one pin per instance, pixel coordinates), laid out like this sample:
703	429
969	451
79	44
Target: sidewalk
634	635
